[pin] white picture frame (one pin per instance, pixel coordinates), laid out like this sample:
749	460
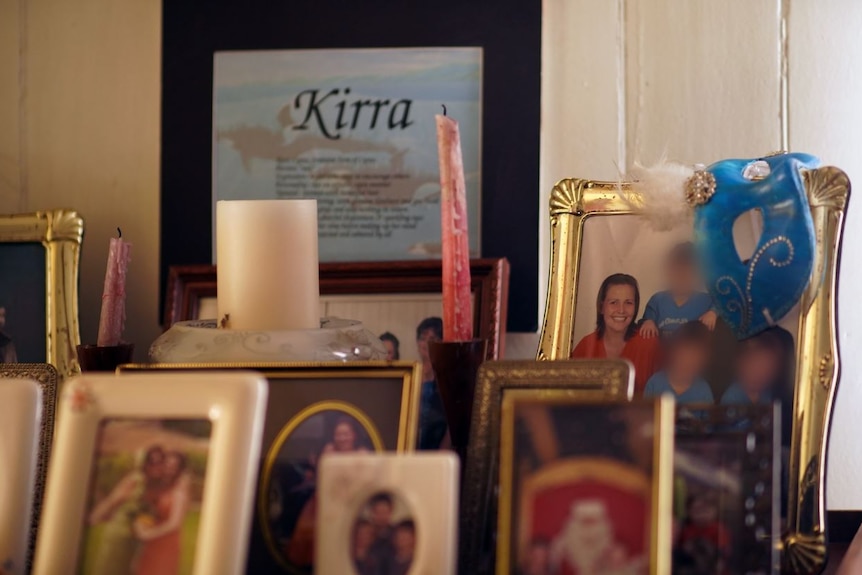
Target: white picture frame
231	406
20	425
422	491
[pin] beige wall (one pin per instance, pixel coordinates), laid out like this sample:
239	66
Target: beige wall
702	80
79	128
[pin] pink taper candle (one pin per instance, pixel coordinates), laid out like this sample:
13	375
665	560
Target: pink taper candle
113	316
457	293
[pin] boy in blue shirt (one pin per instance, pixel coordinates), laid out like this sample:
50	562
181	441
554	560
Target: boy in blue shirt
759	366
667	310
687	355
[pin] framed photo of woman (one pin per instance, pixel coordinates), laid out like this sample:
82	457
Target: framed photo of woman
153	475
314	410
618	286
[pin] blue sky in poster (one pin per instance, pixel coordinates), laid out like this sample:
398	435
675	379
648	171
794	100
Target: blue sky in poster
377	182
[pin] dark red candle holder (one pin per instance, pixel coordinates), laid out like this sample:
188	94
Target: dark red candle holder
104	357
456	364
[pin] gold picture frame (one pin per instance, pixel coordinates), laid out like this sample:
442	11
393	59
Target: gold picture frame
46	376
319	388
584	379
654	481
60	232
575	201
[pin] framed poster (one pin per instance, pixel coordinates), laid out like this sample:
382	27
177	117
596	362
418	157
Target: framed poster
508	34
353	129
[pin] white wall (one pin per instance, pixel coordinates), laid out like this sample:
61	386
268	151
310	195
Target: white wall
701	80
622	80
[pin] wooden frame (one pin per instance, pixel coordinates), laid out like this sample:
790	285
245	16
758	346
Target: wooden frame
61	233
297	392
596	379
574	201
655	486
231	407
47	379
490	277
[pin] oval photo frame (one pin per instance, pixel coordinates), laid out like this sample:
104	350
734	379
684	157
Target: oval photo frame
345	409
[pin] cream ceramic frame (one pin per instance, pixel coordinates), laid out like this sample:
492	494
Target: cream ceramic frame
46	378
573	201
235	403
427	482
61	232
20	427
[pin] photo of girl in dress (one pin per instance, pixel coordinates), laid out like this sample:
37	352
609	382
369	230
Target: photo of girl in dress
145	497
384	536
291	500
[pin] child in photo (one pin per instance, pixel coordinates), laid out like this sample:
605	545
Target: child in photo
704	542
759	367
682	302
687	357
404	542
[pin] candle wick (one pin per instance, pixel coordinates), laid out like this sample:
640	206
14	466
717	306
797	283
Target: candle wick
119	232
444	109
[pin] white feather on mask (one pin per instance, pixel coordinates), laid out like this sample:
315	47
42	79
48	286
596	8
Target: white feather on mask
658	194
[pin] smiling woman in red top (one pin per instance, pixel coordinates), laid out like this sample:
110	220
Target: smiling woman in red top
616	334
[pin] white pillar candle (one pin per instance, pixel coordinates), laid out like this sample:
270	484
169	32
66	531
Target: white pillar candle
267	264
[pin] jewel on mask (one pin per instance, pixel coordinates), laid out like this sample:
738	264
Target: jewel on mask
756	170
700	187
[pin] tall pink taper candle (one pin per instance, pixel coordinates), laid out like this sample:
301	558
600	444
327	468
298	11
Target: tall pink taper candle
113	316
457	298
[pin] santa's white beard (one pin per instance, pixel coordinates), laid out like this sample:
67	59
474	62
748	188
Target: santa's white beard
583	546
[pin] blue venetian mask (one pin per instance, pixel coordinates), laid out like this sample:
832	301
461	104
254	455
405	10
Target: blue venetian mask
753	295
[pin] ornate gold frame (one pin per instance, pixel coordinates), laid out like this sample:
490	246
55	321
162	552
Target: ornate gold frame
574	200
61	232
660	483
